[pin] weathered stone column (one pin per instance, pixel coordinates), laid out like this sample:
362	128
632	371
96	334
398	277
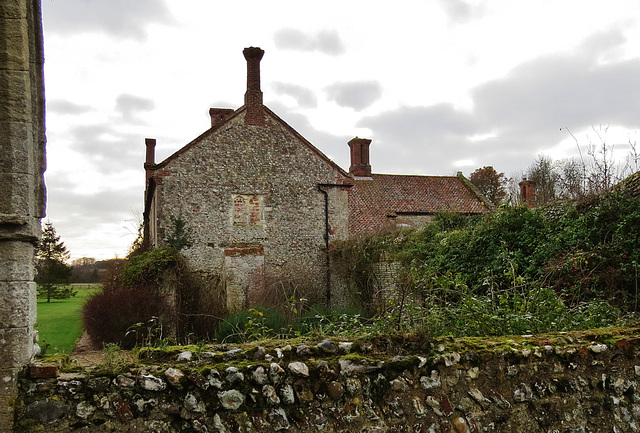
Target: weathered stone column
22	162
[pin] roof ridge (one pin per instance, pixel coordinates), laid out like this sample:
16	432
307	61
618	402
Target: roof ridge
413	175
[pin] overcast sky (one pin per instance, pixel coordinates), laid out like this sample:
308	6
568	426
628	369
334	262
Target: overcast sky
439	86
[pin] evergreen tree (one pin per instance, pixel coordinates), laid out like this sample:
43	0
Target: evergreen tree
53	275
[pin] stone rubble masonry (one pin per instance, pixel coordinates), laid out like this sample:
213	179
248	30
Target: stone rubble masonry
22	192
250	195
558	383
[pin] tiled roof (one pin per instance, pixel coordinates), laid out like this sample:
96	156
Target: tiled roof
631	184
372	200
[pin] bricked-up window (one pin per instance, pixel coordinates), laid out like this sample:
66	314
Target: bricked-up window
254	210
239	210
247	210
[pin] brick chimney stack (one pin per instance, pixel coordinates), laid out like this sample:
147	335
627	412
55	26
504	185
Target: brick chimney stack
151	150
360	166
528	192
253	95
219	114
150	159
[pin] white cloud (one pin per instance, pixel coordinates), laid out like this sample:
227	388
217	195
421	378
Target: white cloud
356	95
130	105
61	106
324	41
304	96
120	18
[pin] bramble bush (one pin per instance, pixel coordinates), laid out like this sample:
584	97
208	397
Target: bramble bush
517	270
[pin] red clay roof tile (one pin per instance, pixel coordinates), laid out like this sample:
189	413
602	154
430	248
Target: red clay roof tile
372	200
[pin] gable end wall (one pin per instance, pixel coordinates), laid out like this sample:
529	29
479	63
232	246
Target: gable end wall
276	177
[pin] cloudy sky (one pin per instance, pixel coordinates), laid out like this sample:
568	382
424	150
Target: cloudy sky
439	86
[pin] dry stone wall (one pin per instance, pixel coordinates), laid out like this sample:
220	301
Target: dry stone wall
563	383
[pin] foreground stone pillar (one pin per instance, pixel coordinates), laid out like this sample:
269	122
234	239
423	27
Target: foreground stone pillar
22	142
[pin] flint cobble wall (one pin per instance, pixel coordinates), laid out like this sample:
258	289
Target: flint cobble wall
248	190
556	384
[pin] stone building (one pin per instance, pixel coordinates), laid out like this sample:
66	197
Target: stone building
263	204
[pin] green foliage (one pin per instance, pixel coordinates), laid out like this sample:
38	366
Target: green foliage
53	275
251	325
590	246
325	321
179	234
576	274
148	267
115	360
525	310
355	260
517	270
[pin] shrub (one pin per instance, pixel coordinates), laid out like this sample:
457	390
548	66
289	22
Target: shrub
108	315
201	305
155	284
520	310
584	251
354	262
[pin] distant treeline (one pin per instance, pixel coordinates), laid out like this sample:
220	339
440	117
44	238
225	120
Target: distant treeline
90	270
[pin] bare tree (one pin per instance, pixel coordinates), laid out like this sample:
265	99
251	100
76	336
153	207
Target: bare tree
570	179
544	174
600	170
602	175
632	161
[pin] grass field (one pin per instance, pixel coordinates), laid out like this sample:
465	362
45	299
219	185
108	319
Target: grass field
59	322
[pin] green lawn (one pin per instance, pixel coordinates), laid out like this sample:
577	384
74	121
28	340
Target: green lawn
59	322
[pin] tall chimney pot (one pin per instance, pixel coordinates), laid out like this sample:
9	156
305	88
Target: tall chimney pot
151	150
150	159
360	166
253	95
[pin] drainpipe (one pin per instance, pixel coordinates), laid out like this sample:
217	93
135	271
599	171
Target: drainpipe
326	243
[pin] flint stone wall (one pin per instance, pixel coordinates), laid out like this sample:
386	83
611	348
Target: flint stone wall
556	384
250	196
